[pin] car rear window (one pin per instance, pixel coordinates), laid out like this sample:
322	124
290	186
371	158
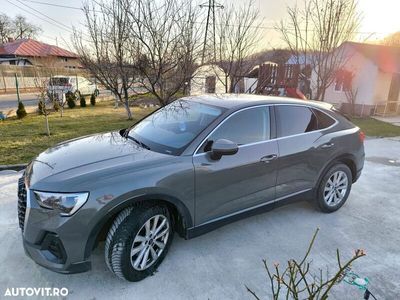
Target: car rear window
59	81
324	121
293	120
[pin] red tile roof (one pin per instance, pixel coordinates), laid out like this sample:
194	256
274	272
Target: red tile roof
32	48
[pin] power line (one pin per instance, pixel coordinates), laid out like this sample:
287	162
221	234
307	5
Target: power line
78	8
52	4
46	16
29	12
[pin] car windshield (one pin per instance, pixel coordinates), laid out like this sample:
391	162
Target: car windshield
170	129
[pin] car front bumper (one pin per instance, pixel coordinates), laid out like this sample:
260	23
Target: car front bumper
52	241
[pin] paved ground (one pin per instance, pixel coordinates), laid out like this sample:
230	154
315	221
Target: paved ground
8	102
395	120
218	265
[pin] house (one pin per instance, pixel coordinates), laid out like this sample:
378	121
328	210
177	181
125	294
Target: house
208	79
369	82
29	52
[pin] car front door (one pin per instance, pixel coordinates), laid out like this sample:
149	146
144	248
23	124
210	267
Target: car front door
243	180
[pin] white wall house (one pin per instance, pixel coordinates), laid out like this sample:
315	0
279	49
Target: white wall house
372	75
208	79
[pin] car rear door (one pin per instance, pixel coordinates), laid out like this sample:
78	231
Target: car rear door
304	148
246	179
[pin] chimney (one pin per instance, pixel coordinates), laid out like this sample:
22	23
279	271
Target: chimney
10	39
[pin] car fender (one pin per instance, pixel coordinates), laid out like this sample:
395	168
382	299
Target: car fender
127	201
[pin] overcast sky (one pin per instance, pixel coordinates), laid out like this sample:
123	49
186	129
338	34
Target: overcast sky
380	18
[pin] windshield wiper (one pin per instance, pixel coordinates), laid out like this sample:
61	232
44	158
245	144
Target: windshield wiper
139	142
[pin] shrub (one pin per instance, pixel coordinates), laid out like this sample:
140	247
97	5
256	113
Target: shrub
70	98
21	112
93	99
83	101
40	107
56	105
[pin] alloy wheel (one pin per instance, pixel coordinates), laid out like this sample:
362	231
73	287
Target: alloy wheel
149	242
335	188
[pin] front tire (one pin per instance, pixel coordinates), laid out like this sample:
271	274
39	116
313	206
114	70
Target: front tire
334	188
138	241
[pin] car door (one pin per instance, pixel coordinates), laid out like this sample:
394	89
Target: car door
236	182
303	148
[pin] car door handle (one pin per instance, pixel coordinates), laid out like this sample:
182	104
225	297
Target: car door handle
327	145
268	158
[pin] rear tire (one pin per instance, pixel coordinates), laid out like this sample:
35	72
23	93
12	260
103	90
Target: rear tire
334	188
138	241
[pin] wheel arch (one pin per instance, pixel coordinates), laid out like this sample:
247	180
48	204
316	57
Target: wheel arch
347	159
180	214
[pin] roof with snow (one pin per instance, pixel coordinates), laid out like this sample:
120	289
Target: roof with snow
33	48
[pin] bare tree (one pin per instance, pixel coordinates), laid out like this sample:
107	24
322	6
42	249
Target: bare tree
5	28
237	38
41	85
164	37
314	31
105	47
17	28
22	29
351	93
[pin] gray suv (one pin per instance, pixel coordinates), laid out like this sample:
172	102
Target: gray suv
189	167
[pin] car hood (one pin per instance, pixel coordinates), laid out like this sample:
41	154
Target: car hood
91	154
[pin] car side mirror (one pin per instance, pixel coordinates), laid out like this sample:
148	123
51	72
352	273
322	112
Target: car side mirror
223	147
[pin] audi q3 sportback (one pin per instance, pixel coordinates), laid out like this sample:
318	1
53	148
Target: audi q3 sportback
189	167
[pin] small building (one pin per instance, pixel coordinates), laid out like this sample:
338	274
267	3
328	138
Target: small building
29	52
208	79
369	82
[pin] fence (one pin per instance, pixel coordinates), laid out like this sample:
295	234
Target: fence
384	109
26	76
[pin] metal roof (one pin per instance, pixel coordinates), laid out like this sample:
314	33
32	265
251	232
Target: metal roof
33	48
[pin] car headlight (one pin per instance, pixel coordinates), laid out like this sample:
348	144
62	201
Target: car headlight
66	203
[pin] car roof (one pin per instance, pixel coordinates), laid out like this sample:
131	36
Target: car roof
236	101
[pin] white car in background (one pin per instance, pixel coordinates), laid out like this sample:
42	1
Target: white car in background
59	85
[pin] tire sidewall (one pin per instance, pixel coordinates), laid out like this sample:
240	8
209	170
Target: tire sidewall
134	222
320	194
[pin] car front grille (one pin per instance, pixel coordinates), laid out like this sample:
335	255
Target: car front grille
21	202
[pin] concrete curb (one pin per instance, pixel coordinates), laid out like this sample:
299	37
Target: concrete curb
17	167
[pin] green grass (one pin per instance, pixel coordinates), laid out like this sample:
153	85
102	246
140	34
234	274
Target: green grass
372	127
22	140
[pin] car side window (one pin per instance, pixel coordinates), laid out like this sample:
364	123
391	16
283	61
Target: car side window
324	121
244	127
293	120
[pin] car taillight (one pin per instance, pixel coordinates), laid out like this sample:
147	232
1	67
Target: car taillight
361	136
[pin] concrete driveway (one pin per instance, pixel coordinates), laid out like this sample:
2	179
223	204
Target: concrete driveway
218	265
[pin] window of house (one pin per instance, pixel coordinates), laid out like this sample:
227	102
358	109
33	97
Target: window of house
245	127
343	80
293	120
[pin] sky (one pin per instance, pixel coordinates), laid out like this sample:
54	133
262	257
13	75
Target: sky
380	18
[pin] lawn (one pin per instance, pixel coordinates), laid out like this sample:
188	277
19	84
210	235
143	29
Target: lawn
22	140
372	127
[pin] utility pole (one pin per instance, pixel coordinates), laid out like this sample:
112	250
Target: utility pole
209	33
17	87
